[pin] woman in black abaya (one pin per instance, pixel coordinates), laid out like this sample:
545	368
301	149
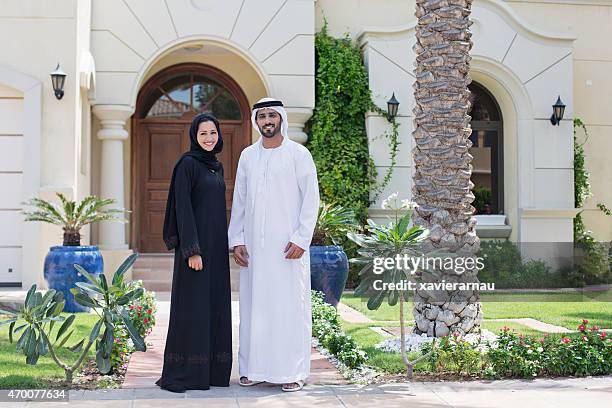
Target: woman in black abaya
198	350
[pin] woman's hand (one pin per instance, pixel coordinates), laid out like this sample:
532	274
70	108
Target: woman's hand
195	262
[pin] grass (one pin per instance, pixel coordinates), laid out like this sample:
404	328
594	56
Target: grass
561	309
367	338
15	373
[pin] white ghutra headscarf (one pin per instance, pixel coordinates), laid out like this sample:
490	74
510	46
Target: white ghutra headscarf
276	105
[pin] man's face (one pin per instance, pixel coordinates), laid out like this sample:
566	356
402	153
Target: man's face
269	122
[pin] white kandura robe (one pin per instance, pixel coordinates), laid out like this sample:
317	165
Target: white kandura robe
276	201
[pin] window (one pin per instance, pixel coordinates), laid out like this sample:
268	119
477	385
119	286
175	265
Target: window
487	150
190	94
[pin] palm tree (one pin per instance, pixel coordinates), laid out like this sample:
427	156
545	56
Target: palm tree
442	186
72	216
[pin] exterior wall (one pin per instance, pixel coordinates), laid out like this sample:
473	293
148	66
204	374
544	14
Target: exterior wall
521	59
277	40
43	34
591	23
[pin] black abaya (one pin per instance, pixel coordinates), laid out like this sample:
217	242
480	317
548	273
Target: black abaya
198	350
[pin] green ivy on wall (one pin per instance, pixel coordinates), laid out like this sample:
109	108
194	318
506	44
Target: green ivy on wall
338	139
594	267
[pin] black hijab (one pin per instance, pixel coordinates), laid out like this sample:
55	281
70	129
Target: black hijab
170	233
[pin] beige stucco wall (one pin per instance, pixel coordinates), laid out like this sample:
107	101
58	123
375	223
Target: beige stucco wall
592	61
587	95
37	35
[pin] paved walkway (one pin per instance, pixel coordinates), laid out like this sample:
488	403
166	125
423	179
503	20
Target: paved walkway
539	393
146	367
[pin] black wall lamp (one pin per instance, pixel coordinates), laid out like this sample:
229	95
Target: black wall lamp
558	111
58	77
392	106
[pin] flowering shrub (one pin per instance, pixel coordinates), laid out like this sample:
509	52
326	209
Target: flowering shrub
588	352
142	310
516	355
122	348
142	313
326	328
455	354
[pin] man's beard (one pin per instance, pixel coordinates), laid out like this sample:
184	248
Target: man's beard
269	133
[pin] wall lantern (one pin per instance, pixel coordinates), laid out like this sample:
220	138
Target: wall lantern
392	105
558	110
58	77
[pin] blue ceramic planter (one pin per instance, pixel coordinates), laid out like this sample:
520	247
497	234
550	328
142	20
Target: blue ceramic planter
328	271
61	274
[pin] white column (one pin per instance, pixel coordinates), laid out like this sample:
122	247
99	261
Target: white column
297	118
112	134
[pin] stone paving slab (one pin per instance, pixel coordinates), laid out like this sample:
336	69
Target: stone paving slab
568	392
351	315
536	325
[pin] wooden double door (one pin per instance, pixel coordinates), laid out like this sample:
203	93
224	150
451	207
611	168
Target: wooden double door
166	106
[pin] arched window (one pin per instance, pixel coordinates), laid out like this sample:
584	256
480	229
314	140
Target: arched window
189	94
487	150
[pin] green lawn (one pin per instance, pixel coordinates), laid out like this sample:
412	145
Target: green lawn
565	310
15	373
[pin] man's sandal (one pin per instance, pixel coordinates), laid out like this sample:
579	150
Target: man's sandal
245	382
300	385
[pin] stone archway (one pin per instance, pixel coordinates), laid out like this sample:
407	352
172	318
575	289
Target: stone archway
165	107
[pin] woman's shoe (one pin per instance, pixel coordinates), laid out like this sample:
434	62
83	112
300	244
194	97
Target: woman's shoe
299	383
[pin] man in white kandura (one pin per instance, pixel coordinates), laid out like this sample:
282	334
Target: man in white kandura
274	211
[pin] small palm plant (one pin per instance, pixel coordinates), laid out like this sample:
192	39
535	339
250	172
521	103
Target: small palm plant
333	223
71	215
41	312
397	238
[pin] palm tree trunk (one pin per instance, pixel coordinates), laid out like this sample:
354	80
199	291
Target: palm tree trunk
442	185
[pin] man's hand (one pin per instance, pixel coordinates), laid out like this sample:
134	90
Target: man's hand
241	255
293	251
195	262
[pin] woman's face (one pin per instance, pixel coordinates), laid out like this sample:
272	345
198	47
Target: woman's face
207	135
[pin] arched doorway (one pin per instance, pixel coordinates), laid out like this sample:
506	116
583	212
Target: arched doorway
165	107
487	151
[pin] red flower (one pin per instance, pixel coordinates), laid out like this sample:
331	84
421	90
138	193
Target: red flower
595	327
146	321
603	335
585	338
581	327
585	321
131	306
541	340
565	340
456	334
505	328
149	311
139	307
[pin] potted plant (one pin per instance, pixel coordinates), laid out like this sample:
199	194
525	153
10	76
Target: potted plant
328	262
71	216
